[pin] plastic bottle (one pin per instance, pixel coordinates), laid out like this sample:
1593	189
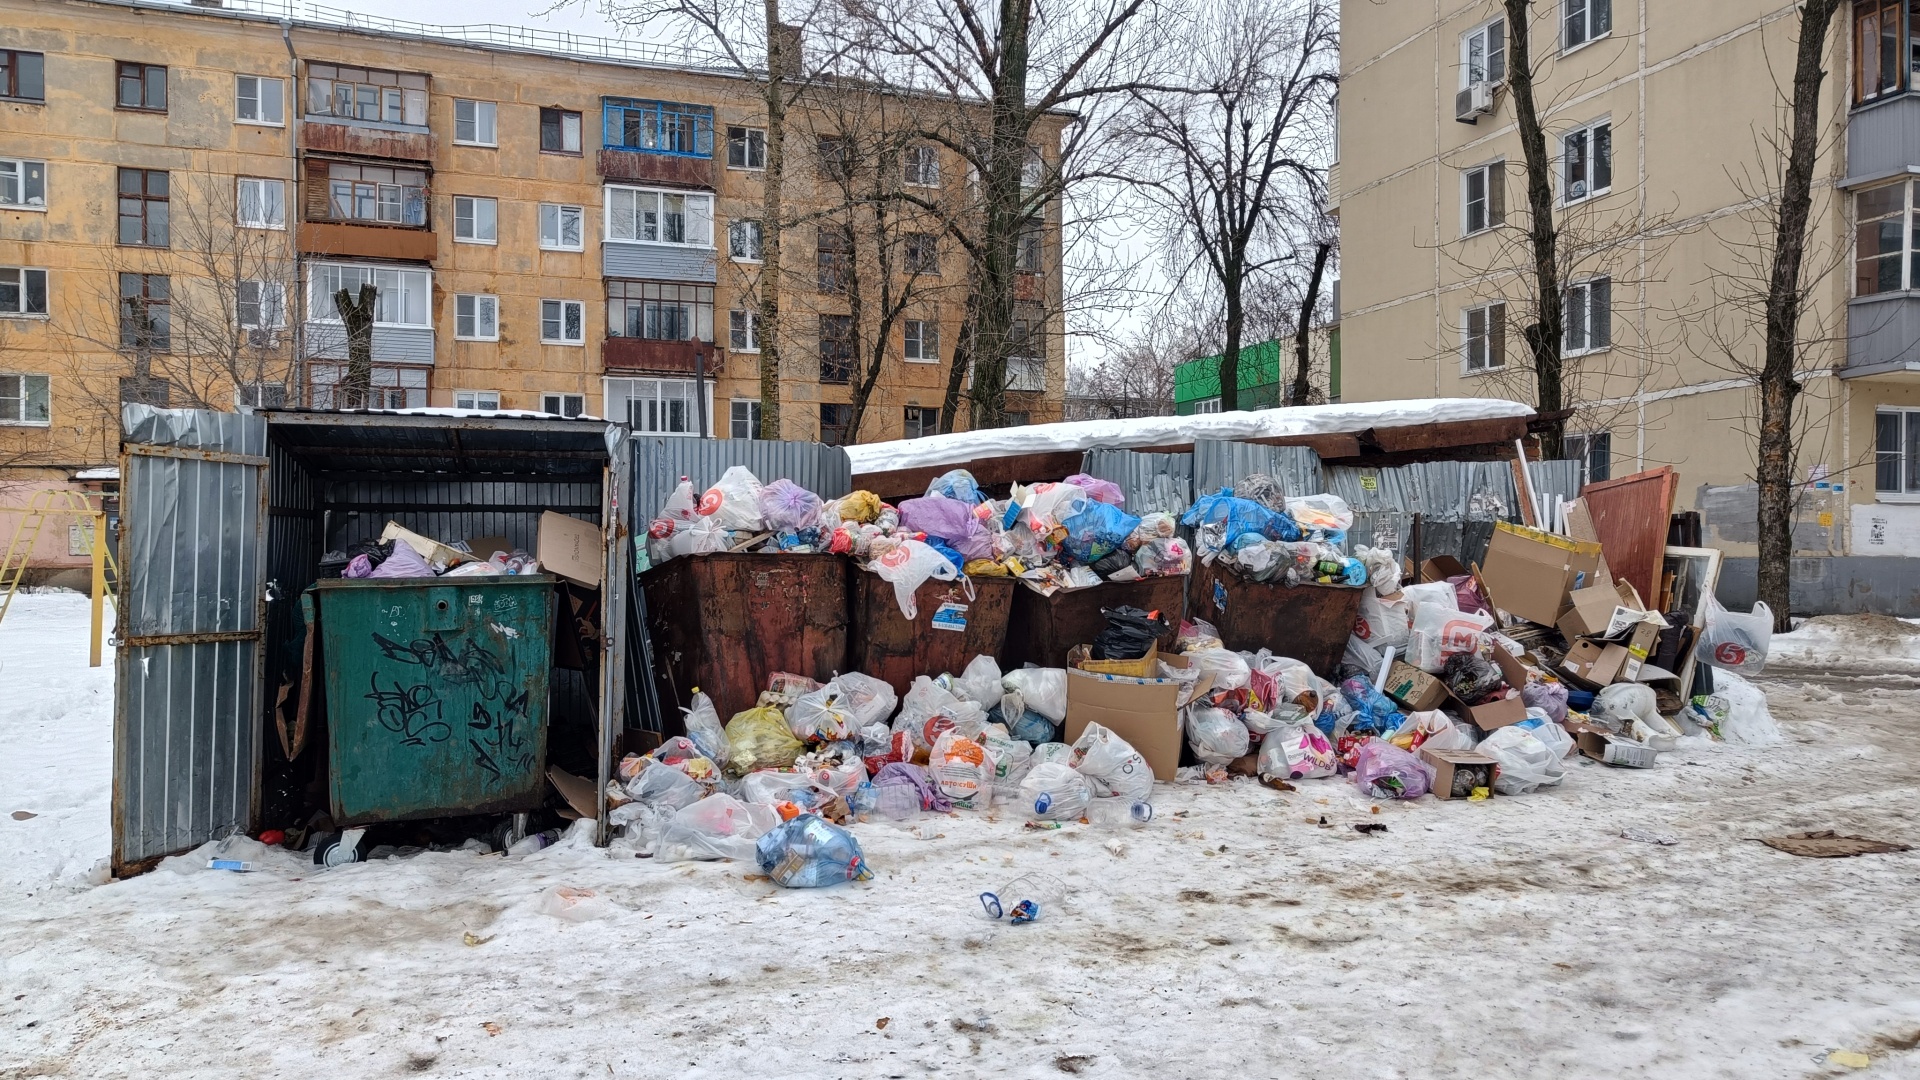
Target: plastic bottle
533	842
865	802
1119	813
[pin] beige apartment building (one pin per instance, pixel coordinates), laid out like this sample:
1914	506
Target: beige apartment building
1662	121
553	223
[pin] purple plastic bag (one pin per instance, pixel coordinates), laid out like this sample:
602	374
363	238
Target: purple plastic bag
1550	697
360	567
787	505
403	563
1385	771
950	520
1105	491
902	773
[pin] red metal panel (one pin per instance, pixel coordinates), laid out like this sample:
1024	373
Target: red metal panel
365	142
657	168
657	357
888	646
1630	518
368	241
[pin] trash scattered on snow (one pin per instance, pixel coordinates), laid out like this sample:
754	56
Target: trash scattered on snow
1827	844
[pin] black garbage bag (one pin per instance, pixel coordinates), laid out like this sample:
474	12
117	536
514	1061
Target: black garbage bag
1129	634
1472	677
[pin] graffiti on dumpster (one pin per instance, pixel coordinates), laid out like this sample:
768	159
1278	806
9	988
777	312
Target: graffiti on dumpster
495	731
411	712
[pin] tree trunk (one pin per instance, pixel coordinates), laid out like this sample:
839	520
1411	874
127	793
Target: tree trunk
1544	336
1000	185
963	354
355	391
1302	333
772	216
1778	384
1230	357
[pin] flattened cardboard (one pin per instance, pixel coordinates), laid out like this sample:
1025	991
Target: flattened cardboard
437	554
571	548
1528	573
1414	688
1639	646
1444	763
484	547
1600	611
1144	712
578	793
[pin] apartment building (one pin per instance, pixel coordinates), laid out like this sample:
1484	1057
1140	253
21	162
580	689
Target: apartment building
1662	122
551	222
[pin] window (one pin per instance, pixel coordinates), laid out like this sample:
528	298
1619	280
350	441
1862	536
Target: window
836	348
834	162
23	75
568	405
476	399
146	312
393	387
476	220
743	418
743	331
921	165
1594	452
143	207
1588	313
1886	240
746	148
923	340
1879	69
1028	247
655	406
1026	374
262	203
1483	193
1018	417
259	99
1206	406
473	123
563	322
658	127
921	253
1588	156
1023	338
833	423
561	227
23	399
376	193
921	421
23	184
141	86
1033	168
402	299
260	396
1483	337
1897	451
476	317
660	310
1483	55
744	241
833	257
559	131
22	291
366	94
261	305
1584	20
145	388
659	217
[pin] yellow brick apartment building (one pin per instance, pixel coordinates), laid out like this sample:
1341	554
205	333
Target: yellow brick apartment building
1659	117
553	223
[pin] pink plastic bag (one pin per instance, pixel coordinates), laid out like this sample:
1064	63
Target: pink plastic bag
1105	491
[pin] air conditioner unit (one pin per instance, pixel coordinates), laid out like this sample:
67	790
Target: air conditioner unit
260	337
1473	102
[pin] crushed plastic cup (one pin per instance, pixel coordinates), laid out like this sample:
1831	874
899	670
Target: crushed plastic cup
1119	812
897	802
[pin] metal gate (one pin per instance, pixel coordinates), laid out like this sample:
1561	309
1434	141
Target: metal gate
187	712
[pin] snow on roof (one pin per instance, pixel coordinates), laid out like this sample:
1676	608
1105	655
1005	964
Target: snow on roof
959	447
99	472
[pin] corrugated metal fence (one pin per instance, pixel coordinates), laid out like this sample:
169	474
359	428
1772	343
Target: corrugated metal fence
660	462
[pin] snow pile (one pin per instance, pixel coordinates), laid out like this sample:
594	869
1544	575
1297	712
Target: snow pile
1174	430
1858	643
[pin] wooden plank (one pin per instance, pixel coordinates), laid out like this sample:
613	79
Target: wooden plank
1394	440
1630	518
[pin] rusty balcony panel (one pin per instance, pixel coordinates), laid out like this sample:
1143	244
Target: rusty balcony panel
1310	623
1029	288
368	241
317	133
657	168
658	357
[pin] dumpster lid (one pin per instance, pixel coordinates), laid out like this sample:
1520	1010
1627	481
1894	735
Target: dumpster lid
386	443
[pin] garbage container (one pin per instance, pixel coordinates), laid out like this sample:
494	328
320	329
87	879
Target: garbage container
1310	623
948	630
1043	628
727	622
436	694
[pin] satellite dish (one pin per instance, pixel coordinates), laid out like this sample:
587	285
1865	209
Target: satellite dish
1579	190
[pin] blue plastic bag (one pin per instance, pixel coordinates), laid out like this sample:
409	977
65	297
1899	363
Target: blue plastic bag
957	484
1374	713
1241	516
1096	532
808	852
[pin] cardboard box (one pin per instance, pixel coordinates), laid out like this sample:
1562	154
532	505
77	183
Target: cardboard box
1600	611
1639	645
1145	712
1528	573
1442	567
484	547
437	554
1607	750
1508	710
571	548
1414	688
1446	763
1592	664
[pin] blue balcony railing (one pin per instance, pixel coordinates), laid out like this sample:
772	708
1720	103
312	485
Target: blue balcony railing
658	127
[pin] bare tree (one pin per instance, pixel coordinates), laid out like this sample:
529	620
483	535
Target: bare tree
1135	381
356	315
1544	333
1234	158
1302	391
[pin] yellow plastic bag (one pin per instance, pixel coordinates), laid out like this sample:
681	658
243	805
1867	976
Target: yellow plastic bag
859	506
984	568
759	739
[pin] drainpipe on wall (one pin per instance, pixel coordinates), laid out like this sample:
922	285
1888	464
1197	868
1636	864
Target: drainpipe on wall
299	304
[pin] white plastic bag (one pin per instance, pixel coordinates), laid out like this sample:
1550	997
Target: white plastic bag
1054	753
961	769
1384	622
1053	791
980	683
1216	735
1010	757
1308	753
822	716
1044	690
734	502
716	827
1296	681
664	786
707	536
1738	712
1635	710
870	699
1055	504
1526	763
1111	764
1228	668
1549	733
705	729
1326	512
1431	592
765	787
1735	642
1383	569
908	565
929	710
1439	633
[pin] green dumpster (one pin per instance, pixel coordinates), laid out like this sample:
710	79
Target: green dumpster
436	694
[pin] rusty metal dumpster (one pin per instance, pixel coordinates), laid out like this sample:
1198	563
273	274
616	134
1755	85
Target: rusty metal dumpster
948	630
1043	628
436	695
725	623
1310	623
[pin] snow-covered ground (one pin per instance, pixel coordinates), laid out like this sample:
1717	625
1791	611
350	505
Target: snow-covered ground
1233	936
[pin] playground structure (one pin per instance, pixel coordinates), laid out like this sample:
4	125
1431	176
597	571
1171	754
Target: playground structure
59	502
